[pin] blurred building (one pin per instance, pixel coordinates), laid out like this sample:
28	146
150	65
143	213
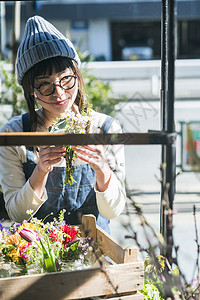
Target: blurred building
115	29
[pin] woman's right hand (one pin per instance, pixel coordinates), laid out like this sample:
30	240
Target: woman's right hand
49	156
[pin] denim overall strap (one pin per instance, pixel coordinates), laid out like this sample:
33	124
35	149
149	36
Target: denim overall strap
26	122
107	123
29	166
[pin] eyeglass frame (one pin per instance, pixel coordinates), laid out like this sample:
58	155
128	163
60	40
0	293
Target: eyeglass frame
56	84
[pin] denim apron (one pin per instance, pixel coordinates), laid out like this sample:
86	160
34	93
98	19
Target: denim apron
77	199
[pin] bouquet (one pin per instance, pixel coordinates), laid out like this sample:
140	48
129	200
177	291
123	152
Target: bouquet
71	123
36	247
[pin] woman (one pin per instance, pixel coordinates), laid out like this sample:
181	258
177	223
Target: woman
48	70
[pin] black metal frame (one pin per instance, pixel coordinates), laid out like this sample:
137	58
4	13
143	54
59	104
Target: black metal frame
168	47
35	138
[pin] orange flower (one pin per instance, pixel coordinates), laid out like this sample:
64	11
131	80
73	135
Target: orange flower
13	239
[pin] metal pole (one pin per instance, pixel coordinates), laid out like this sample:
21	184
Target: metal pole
15	44
164	91
164	63
16	31
170	149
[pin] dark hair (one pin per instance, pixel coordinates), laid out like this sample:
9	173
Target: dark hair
46	66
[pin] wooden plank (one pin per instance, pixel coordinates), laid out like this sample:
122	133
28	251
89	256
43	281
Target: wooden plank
74	284
133	296
88	227
111	248
130	254
43	138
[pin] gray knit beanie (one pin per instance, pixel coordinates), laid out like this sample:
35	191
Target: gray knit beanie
41	41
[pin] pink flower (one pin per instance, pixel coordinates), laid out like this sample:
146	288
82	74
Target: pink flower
28	235
163	278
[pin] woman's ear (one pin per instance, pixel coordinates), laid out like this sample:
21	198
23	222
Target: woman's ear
32	92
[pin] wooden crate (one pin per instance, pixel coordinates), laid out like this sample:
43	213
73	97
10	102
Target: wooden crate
118	280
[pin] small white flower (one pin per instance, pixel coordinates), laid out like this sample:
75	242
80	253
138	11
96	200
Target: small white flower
57	245
90	248
29	211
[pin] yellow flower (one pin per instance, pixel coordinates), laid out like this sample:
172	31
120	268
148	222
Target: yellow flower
15	253
29	226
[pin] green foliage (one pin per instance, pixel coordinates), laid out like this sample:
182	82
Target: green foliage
150	291
158	280
61	217
12	93
154	279
99	95
99	92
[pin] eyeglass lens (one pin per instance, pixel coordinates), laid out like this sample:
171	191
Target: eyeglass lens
66	83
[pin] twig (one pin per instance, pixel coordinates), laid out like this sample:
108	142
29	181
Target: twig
198	246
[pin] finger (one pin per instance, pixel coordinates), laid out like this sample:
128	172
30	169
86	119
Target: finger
51	157
51	150
85	148
49	164
89	147
52	162
92	159
88	153
95	148
41	148
84	158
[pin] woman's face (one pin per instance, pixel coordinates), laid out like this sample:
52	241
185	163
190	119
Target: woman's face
57	92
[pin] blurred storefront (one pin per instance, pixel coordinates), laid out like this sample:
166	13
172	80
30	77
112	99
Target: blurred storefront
108	29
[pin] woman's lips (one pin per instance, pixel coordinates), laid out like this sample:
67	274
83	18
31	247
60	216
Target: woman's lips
61	102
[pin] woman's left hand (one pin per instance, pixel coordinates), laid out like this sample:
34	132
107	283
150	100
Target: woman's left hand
94	155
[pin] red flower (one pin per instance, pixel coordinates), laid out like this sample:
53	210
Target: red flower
53	236
71	234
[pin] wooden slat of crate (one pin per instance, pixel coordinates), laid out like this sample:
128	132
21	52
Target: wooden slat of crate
74	284
114	250
108	246
133	296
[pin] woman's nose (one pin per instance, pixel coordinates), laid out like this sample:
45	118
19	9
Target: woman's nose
58	89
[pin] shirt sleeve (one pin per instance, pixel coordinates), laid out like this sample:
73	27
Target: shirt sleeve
18	194
112	201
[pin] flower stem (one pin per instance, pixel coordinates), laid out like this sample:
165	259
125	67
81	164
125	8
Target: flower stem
69	170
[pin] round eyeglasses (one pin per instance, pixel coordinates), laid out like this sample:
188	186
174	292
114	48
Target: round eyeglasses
48	88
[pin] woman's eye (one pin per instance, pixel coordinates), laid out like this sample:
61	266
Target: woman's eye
66	79
45	83
39	84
